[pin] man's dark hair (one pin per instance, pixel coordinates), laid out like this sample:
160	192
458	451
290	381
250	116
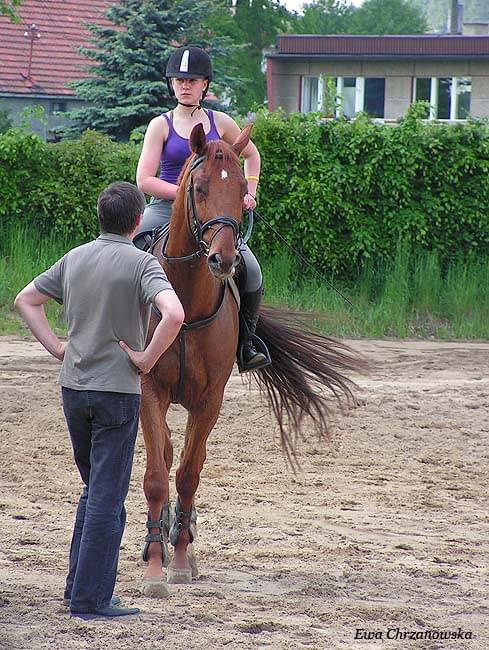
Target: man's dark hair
119	206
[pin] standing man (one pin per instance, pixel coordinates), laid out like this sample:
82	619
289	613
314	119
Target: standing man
107	288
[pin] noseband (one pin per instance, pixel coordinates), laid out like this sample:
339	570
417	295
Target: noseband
198	228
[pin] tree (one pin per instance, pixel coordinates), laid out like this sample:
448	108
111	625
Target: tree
128	87
388	17
252	25
326	17
373	17
7	8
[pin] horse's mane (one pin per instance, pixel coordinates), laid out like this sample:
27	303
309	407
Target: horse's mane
213	147
219	146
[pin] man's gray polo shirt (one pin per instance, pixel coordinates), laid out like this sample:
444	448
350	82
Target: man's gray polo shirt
107	287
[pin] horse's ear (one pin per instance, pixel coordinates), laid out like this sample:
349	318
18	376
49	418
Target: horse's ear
242	140
197	139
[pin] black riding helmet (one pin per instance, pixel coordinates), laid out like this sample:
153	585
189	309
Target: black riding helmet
189	61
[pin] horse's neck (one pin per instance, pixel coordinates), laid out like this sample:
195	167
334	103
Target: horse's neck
199	291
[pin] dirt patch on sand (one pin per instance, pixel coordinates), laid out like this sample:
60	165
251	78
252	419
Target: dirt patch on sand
386	529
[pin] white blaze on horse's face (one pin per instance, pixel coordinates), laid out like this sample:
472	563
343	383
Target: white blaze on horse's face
224	174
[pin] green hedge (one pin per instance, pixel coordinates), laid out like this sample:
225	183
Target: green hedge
345	192
54	187
340	192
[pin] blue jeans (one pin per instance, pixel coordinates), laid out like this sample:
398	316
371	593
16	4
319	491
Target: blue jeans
103	428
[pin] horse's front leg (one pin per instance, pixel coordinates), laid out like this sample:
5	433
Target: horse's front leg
159	458
200	423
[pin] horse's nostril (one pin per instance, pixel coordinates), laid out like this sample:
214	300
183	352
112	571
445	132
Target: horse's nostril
214	260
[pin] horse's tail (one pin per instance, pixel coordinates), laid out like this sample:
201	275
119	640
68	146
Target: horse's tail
304	364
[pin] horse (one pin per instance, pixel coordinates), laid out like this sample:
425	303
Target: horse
200	257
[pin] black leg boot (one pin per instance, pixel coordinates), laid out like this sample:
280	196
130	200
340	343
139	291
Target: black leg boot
252	352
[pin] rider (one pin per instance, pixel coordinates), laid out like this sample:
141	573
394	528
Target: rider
188	74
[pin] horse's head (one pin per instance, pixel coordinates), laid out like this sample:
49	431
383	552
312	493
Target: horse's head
215	190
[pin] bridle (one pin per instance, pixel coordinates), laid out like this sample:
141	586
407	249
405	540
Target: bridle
198	228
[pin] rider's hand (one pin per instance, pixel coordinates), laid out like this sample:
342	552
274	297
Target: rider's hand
249	202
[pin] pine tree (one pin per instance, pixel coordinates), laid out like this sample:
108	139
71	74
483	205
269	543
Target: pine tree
128	87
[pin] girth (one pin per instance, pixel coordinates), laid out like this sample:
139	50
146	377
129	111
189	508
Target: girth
189	327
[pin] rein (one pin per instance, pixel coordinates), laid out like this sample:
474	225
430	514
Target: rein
198	229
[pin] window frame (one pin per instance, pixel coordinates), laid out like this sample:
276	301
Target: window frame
359	94
455	83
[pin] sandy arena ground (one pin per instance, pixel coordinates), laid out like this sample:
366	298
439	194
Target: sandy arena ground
383	534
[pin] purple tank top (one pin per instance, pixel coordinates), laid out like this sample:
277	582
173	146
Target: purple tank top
176	149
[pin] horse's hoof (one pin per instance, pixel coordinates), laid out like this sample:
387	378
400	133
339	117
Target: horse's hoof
155	588
192	560
179	576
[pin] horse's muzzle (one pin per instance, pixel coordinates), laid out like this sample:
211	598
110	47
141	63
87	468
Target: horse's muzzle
223	267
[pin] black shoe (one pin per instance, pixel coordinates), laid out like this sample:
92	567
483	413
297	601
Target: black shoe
115	600
251	359
105	612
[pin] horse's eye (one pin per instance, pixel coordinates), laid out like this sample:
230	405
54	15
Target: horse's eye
201	191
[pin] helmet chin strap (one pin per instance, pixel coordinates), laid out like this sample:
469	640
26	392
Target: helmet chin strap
194	106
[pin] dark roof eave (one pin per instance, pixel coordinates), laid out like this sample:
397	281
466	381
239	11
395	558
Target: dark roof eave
38	95
381	57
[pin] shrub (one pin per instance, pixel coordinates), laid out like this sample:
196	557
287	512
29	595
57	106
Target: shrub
345	192
54	187
341	193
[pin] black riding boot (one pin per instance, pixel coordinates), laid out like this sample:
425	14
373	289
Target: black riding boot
252	353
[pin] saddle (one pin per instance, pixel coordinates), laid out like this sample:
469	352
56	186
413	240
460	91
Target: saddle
148	239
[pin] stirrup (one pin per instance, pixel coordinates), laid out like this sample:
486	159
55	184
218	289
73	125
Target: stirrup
261	348
163	524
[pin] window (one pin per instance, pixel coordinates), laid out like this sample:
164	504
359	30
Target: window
58	107
311	94
353	95
347	96
361	94
449	96
463	92
374	96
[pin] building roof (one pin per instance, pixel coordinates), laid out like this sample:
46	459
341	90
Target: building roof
422	46
55	59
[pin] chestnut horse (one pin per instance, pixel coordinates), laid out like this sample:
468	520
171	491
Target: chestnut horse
199	257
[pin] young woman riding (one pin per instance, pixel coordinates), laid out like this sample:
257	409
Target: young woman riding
166	146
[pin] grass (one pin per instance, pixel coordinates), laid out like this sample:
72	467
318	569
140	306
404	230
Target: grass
411	296
23	255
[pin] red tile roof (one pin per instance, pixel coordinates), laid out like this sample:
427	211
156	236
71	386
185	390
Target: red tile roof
449	45
55	59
